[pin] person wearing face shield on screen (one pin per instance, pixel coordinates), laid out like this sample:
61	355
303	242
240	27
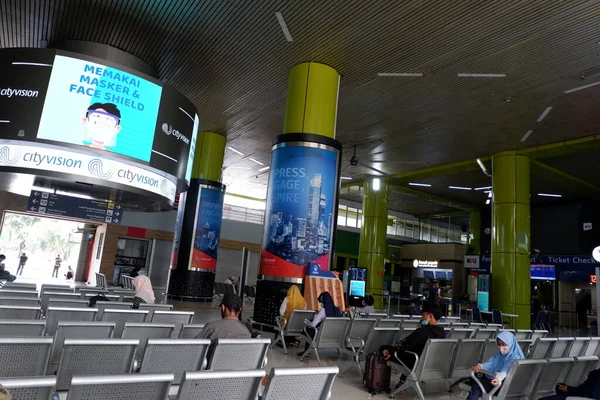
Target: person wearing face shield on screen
416	341
102	123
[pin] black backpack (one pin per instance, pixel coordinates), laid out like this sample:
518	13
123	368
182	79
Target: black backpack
97	298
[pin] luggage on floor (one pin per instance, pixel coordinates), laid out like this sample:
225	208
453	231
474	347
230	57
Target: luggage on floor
377	374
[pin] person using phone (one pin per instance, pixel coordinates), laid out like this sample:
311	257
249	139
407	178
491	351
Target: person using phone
589	389
497	365
328	310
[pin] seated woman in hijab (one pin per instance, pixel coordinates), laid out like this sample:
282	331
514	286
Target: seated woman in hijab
293	301
498	364
328	310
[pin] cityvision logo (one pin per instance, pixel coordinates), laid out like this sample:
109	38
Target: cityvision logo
5	158
96	168
168	129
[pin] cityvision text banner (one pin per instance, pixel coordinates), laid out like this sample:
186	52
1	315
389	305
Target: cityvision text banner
299	215
208	228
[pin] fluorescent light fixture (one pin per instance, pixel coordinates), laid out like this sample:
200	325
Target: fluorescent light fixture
42	189
582	87
488	201
376	184
482	166
419	184
235	151
284	27
549	195
546	111
401	74
463	75
256	161
483	188
264	168
459	188
346	178
490	195
527	134
81	196
244	168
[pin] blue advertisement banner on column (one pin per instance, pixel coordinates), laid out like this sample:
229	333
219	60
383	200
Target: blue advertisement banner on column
178	227
208	228
300	210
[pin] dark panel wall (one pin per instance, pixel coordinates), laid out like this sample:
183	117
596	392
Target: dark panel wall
554	229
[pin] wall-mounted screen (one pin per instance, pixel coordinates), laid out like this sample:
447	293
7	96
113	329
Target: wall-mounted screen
543	272
428	275
357	288
441	275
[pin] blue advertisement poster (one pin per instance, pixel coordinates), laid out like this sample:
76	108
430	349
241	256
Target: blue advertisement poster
208	228
300	211
104	108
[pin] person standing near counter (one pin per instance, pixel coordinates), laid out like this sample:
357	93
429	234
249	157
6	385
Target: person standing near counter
434	293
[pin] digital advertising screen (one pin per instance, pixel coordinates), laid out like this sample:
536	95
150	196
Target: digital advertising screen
543	272
75	101
357	288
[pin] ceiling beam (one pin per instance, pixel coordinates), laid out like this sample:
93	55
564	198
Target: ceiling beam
551	174
432	198
449	214
562	148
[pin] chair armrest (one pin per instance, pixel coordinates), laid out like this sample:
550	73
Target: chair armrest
279	319
312	340
478	382
362	344
404	365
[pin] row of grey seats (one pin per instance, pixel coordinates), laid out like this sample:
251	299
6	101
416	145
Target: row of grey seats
283	384
30	357
462	354
107	312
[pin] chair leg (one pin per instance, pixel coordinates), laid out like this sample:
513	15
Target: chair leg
317	355
419	390
282	338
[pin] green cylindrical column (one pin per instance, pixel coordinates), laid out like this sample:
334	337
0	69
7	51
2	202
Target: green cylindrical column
208	160
510	236
373	236
475	222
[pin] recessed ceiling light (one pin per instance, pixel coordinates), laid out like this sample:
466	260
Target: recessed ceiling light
549	195
235	151
582	87
490	195
284	27
508	99
546	111
487	201
483	168
256	161
405	74
483	188
459	188
419	184
264	168
526	135
346	178
463	75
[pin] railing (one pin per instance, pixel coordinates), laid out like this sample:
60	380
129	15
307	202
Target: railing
414	229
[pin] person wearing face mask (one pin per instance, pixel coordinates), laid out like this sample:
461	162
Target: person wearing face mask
498	364
416	341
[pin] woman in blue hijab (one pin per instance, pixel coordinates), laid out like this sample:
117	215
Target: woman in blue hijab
498	364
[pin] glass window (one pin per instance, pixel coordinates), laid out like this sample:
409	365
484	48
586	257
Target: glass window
360	219
352	216
400	227
342	210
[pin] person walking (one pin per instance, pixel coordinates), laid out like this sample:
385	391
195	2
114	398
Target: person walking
57	263
22	261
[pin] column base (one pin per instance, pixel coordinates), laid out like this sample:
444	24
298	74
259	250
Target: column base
191	284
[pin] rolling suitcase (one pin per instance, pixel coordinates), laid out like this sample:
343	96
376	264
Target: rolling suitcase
377	374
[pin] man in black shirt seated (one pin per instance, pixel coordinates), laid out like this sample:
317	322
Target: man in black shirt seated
416	341
4	274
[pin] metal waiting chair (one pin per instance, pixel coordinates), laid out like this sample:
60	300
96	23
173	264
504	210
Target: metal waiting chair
219	291
485	333
498	319
77	330
539	320
121	317
539	334
155	307
190	331
428	366
390	323
113	305
230	385
67	303
24	356
580	370
459	333
555	372
238	354
519	382
127	282
476	315
578	347
593	347
19	301
491	348
404	333
523	334
94	357
101	281
112	298
312	383
542	348
54	315
331	334
20	286
526	345
20	312
381	336
175	356
145	331
130	387
35	388
294	327
358	333
21	328
562	347
468	352
179	318
18	293
57	296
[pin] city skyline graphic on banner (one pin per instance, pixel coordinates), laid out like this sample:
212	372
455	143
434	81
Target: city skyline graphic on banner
300	212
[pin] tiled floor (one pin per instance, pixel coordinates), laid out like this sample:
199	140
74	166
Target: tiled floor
349	387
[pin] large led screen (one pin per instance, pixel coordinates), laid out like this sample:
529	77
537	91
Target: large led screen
104	108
